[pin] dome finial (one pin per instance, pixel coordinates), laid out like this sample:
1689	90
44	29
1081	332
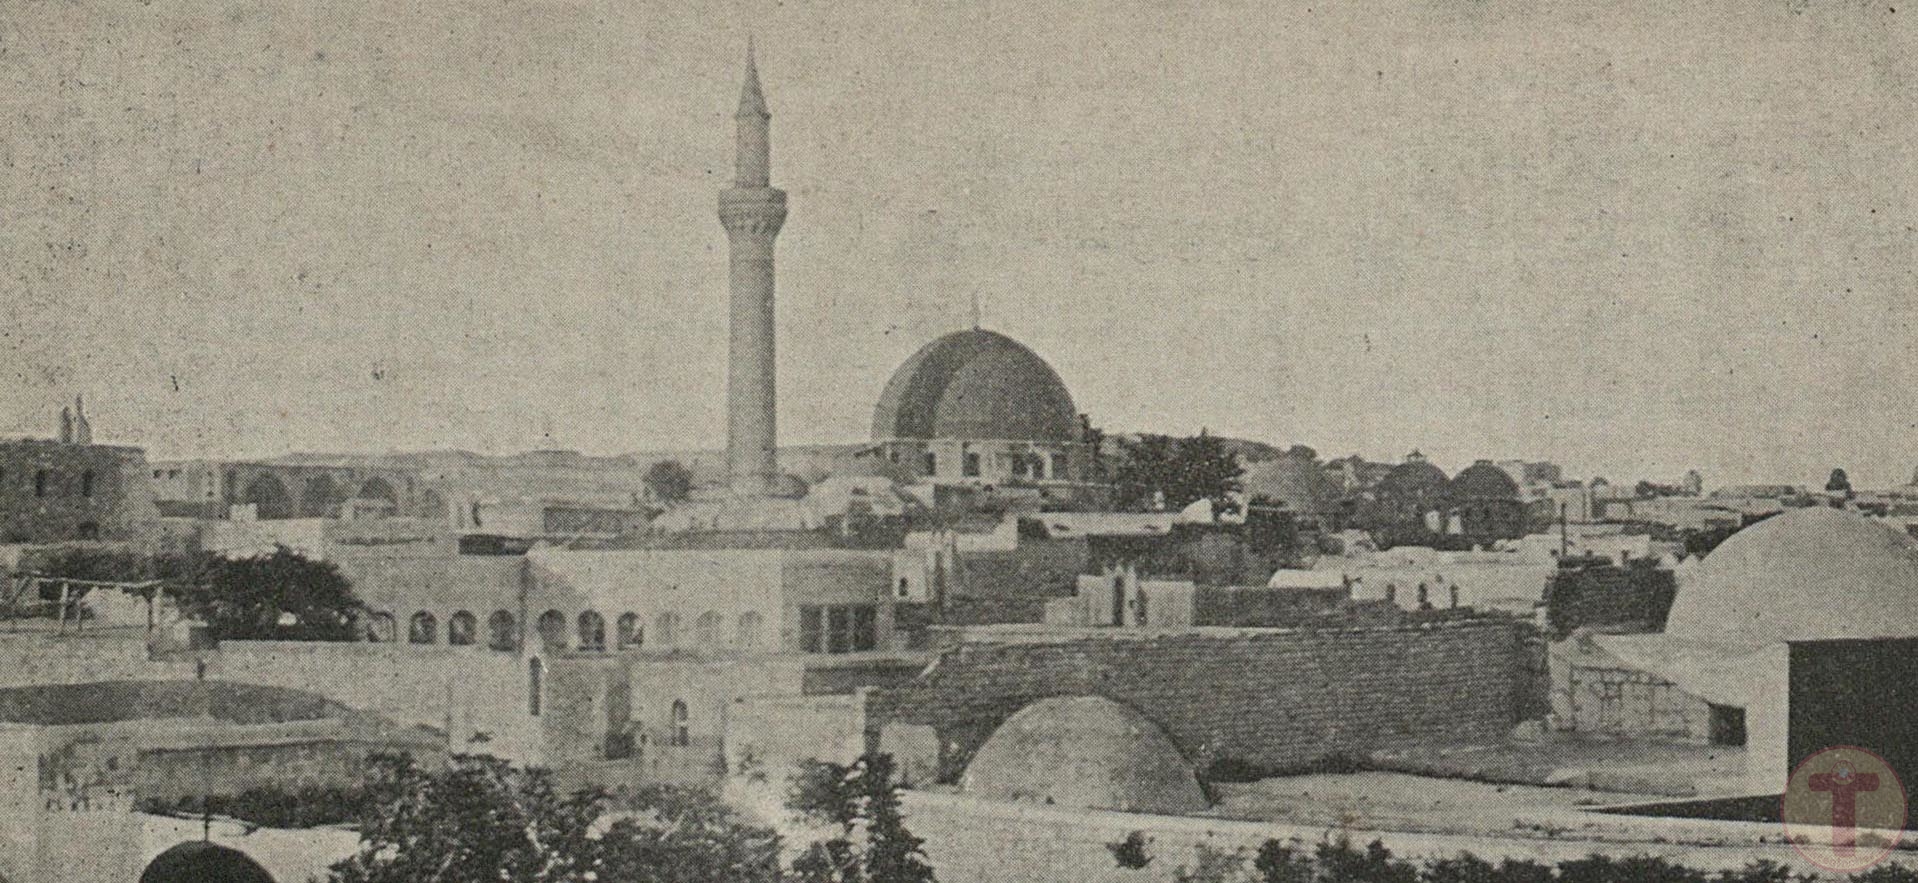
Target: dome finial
975	311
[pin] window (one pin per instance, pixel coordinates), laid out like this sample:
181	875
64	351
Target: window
86	483
381	628
535	676
706	629
666	630
749	626
682	735
865	628
809	630
40	483
462	629
971	469
552	630
156	473
1019	467
423	629
628	632
592	631
1059	469
502	631
905	587
838	630
845	628
931	463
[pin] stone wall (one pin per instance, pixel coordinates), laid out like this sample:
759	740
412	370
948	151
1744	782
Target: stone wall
476	696
31	657
1264	699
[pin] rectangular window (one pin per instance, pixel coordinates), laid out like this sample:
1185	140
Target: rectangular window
810	631
838	630
932	463
865	628
972	465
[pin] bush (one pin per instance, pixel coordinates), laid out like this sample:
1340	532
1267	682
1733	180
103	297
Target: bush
1130	853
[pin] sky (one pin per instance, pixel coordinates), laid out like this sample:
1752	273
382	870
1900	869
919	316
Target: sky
1630	238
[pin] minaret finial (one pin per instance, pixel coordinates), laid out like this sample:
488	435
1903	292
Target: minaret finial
975	310
752	102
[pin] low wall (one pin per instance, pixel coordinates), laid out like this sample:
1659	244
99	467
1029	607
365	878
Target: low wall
31	657
1267	699
477	697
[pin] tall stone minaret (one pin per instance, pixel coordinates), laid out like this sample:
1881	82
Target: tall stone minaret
752	211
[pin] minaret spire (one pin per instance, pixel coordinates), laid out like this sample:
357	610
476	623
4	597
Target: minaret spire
752	211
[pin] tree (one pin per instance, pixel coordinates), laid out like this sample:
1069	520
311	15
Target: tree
1839	482
238	598
670	481
872	844
482	819
1182	470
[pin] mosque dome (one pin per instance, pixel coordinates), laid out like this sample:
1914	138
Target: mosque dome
980	385
1086	752
1813	573
199	861
1415	477
1298	482
1484	481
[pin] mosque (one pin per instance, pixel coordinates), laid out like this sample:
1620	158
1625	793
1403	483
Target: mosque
973	408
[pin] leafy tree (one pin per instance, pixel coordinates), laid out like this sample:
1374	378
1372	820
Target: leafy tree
1839	482
872	844
238	598
1183	470
670	481
481	819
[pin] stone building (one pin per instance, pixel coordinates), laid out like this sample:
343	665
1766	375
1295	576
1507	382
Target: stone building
274	490
1486	504
63	488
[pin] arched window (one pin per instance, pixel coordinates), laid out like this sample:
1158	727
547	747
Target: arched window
423	629
535	686
629	632
681	735
749	624
40	483
706	629
501	631
462	629
86	483
592	631
666	630
382	628
552	630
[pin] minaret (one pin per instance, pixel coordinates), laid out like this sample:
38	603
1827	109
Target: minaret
752	211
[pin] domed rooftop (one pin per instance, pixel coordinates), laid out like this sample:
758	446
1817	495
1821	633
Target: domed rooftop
1806	573
1298	482
1484	481
1088	752
1413	477
200	862
976	384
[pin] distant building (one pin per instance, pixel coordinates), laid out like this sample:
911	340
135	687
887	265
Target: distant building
59	489
1486	504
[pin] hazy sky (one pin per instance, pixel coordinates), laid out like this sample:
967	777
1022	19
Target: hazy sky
1632	239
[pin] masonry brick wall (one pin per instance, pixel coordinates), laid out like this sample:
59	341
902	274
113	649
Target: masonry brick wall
1266	699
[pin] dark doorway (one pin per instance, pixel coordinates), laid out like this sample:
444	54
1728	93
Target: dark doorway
1727	725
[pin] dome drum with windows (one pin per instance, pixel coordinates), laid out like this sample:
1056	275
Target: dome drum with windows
976	406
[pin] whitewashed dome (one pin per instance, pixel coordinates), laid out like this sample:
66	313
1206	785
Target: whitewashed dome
1805	574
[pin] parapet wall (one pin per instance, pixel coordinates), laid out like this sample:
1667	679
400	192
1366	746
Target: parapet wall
1260	699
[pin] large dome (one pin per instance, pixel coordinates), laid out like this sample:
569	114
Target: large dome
1413	478
1484	481
1805	574
980	385
1087	752
1298	482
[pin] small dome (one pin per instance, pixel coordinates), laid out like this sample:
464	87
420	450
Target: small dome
1087	752
1298	482
979	385
1484	481
1414	477
1813	573
199	862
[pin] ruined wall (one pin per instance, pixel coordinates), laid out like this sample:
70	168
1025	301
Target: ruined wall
1263	699
32	658
1595	692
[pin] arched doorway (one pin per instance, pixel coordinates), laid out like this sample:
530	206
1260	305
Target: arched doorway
377	496
200	862
269	497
